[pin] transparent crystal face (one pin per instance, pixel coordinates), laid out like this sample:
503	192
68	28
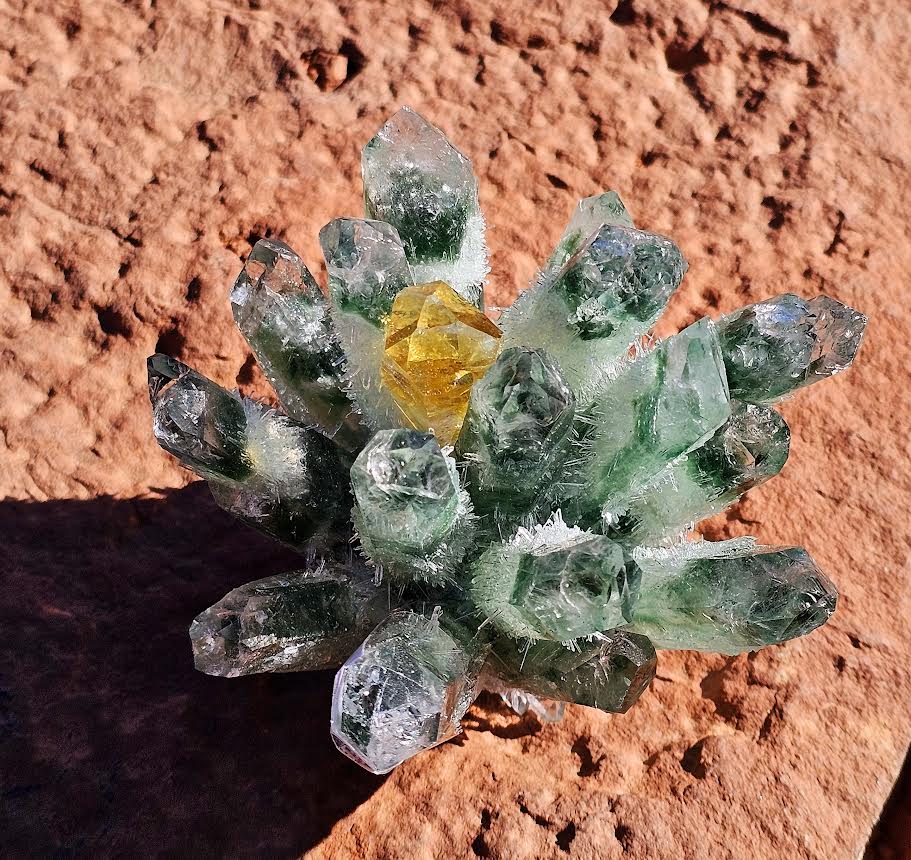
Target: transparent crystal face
307	619
524	405
367	266
417	181
404	690
731	603
619	274
776	346
406	488
572	591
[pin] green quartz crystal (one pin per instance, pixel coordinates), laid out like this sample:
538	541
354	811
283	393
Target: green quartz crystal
276	475
302	620
610	672
748	449
410	515
417	181
405	689
659	406
589	312
779	345
367	267
729	598
516	431
555	583
591	214
283	314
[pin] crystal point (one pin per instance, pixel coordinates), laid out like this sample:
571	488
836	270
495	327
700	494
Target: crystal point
274	474
554	583
781	344
609	672
748	449
282	313
302	620
404	690
607	294
417	181
590	215
516	430
437	346
730	601
411	517
659	406
367	268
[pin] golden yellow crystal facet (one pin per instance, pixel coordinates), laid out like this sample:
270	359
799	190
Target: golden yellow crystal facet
437	347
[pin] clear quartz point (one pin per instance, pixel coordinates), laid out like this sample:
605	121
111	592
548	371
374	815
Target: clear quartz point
712	599
776	346
302	620
610	292
412	518
404	690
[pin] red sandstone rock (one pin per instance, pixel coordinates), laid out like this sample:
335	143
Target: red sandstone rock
145	146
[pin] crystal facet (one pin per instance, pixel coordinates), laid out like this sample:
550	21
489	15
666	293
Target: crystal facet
554	583
305	619
417	181
609	293
777	346
658	407
516	430
730	602
437	347
367	267
411	517
282	313
404	690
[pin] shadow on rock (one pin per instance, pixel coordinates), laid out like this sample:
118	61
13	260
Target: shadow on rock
110	742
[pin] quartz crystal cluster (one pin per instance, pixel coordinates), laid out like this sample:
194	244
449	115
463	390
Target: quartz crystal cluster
492	505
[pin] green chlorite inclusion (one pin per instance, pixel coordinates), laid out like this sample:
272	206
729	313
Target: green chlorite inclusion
547	553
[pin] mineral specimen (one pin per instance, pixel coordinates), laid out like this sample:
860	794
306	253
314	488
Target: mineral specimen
280	477
520	502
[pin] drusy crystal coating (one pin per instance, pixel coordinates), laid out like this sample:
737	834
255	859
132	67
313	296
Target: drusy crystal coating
478	508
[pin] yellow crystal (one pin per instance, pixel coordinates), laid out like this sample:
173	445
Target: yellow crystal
437	347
